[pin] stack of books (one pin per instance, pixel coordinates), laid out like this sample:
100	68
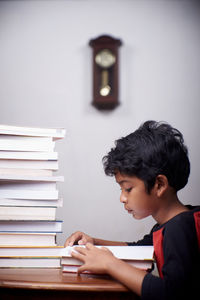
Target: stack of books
138	256
30	256
29	195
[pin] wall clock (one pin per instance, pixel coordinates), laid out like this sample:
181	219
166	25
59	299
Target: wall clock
105	71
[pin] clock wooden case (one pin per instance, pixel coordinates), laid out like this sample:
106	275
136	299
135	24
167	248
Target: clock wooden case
105	71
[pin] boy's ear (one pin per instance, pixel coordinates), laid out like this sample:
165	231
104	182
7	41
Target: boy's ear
161	185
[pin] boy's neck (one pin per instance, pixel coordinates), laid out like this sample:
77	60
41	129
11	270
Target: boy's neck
169	210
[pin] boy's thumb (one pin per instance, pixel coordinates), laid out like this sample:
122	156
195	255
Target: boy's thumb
82	242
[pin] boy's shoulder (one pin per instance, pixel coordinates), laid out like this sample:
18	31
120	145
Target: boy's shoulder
184	218
183	221
180	233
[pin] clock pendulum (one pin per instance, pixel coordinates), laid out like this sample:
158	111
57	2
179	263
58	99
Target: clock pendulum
105	59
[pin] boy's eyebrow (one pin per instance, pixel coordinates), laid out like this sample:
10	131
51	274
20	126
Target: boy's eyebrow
122	181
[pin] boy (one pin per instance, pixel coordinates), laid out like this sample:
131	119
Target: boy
151	165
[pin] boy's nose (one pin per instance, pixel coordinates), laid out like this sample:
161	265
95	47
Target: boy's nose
123	198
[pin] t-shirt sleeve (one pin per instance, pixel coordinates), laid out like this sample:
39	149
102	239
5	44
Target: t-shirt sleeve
181	265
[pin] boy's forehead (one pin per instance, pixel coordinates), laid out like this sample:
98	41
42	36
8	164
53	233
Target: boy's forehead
121	178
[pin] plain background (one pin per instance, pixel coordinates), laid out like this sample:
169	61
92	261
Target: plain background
46	80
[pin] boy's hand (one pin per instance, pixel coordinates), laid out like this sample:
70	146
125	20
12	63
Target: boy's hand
78	237
95	260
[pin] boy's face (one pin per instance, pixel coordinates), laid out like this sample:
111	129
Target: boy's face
135	198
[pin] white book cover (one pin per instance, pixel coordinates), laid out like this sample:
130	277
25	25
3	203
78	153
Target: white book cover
31	226
27	213
138	256
21	143
28	155
30	251
122	252
28	202
32	131
25	172
29	194
28	190
29	164
22	178
141	264
28	239
28	185
30	263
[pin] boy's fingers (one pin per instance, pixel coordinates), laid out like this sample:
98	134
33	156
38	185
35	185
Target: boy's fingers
106	249
89	246
82	241
81	269
80	250
70	242
77	256
67	243
73	239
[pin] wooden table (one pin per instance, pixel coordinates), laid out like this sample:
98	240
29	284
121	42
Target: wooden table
32	284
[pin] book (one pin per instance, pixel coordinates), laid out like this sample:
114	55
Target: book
27	239
27	213
15	178
121	252
72	265
29	164
23	155
31	251
29	194
22	143
31	262
32	131
27	185
28	190
138	256
31	226
35	202
143	265
25	172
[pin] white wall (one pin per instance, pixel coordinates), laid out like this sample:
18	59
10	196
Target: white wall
45	80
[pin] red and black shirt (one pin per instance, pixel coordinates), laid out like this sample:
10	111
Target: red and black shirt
177	253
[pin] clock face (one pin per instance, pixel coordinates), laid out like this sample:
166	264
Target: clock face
105	58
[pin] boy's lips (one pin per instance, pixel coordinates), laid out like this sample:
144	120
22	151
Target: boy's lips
130	211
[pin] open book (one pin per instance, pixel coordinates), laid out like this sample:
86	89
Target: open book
137	256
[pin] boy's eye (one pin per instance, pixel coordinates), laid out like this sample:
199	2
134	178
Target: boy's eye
128	190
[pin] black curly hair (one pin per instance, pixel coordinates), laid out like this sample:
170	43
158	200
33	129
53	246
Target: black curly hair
155	148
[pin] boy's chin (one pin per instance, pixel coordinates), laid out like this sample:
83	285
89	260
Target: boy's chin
139	217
